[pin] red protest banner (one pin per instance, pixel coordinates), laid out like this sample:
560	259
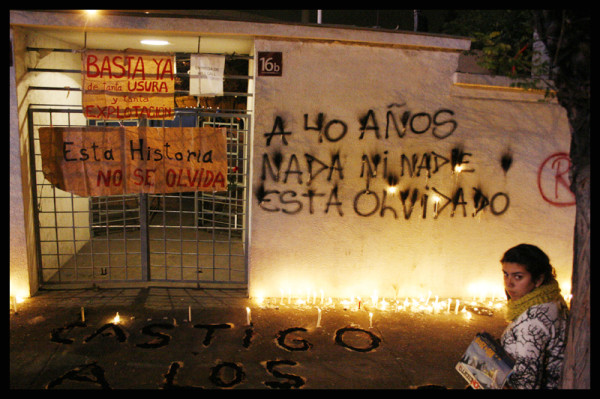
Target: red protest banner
128	85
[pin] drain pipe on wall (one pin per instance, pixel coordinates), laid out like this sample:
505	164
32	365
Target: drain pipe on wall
415	20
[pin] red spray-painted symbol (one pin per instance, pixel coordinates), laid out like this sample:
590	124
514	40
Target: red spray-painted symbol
553	180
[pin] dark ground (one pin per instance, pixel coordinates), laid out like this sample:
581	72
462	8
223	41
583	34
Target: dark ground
155	346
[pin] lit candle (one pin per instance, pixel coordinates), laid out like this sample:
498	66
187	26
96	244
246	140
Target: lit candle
117	319
374	298
384	304
319	318
456	307
248	316
449	302
370	320
436	200
190	314
82	315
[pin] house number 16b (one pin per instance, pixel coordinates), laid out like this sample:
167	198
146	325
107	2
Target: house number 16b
270	63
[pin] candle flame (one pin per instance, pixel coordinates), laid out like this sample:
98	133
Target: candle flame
117	319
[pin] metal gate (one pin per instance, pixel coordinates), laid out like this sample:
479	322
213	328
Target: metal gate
193	238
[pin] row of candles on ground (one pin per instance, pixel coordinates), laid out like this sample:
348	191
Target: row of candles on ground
430	304
117	318
435	307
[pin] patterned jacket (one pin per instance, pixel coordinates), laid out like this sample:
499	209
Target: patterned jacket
536	340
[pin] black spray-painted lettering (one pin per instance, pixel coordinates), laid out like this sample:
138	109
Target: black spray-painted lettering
304	345
419	123
169	382
278	130
55	335
290	204
394	169
118	332
210	331
160	339
91	373
368	203
369	122
340	130
293	381
216	374
294	168
493	202
224	374
339	339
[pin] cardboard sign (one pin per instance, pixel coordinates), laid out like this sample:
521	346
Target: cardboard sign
206	75
99	161
128	85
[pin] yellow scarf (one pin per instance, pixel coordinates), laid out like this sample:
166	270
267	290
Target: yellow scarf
549	292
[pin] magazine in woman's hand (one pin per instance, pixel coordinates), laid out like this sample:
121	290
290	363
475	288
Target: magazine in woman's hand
485	364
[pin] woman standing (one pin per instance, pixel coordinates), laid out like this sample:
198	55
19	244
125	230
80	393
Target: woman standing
537	313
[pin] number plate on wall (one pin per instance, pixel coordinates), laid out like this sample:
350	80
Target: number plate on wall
270	63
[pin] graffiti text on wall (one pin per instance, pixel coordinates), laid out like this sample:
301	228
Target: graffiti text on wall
398	172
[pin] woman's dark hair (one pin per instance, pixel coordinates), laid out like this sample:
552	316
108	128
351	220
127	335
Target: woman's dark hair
534	259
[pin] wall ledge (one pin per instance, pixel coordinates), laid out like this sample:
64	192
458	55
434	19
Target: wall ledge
484	86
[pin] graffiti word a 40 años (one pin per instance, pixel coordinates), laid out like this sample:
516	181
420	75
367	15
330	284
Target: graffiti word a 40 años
440	124
223	374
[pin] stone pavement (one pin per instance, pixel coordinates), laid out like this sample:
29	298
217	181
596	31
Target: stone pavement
273	345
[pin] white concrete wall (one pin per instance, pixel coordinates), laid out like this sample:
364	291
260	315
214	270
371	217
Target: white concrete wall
340	251
344	74
23	278
72	212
